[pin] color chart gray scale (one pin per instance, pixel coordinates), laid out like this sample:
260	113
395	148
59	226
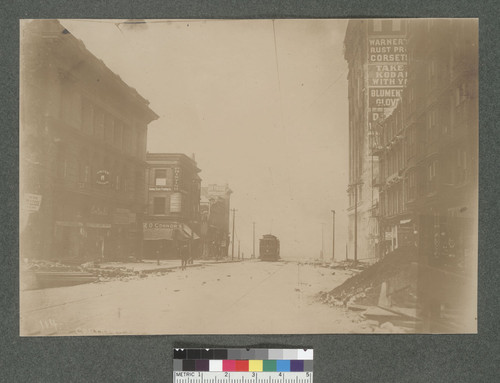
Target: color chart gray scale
241	365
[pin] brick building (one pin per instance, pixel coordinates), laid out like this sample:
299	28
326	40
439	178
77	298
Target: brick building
82	151
215	230
173	210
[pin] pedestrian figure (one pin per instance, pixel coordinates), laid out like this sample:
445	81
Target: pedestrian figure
184	256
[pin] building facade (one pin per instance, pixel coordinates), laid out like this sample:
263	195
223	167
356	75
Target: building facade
216	212
375	51
173	208
428	152
82	152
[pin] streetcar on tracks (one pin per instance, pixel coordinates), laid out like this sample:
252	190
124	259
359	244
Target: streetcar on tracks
269	248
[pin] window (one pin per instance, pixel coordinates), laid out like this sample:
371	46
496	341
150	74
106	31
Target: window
432	171
71	106
460	94
99	123
87	116
159	205
118	126
139	183
160	177
431	126
84	172
461	167
108	129
411	142
176	203
140	144
431	177
132	145
118	182
126	139
377	25
62	164
432	69
412	186
396	25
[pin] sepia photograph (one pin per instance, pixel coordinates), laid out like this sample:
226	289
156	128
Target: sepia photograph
266	176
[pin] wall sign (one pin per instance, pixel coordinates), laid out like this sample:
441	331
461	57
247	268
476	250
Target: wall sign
387	73
32	202
102	177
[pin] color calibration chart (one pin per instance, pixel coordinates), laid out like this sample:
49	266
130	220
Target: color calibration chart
243	365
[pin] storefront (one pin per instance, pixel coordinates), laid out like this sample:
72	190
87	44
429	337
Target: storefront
399	233
92	229
162	239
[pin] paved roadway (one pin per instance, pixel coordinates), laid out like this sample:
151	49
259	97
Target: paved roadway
231	298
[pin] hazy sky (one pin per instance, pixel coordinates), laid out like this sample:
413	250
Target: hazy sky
262	105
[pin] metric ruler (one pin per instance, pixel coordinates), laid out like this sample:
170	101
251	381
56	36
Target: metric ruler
242	365
242	377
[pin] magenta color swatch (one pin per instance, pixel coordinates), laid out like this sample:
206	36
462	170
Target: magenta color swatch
228	365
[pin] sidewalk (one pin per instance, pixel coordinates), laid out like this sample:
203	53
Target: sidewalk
151	266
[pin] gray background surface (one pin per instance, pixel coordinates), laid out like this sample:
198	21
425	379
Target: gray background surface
338	358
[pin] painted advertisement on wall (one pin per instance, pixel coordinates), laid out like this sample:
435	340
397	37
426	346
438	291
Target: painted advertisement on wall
387	70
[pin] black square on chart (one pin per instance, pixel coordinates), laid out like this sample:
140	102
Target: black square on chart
220	353
207	354
188	365
194	353
180	353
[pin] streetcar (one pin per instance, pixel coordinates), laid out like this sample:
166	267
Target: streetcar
269	248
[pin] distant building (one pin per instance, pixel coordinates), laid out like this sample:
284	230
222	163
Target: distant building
82	151
173	210
216	211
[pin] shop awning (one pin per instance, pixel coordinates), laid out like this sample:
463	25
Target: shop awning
156	234
189	232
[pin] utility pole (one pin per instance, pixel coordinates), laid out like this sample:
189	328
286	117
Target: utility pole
322	241
356	223
333	236
232	241
253	252
239	249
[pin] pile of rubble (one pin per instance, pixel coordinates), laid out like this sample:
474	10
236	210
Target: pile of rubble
383	295
367	279
33	268
42	265
111	273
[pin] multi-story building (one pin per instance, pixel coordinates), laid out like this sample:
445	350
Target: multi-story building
376	55
216	223
173	209
82	151
428	152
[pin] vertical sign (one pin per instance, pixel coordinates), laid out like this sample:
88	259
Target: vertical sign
177	176
386	70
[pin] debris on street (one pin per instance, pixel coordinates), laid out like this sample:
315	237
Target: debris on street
383	292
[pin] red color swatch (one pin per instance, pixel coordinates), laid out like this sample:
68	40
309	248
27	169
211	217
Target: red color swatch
229	365
241	365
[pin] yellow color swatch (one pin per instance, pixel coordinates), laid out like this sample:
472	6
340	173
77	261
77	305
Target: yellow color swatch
255	365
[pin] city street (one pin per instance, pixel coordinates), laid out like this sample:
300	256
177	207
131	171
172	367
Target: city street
226	298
